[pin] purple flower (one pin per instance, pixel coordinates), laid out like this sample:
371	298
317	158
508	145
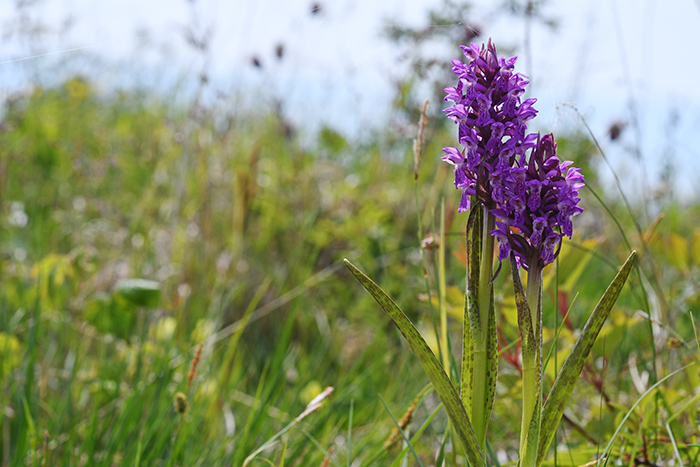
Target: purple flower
533	198
492	123
542	197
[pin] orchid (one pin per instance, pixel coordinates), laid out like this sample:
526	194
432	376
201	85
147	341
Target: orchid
492	122
519	194
536	201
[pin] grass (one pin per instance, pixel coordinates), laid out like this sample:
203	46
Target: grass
244	228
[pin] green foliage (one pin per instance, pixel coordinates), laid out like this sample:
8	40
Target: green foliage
244	229
441	382
97	189
139	292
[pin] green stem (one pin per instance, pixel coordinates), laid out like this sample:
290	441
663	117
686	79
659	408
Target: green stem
532	369
486	273
441	291
480	404
534	301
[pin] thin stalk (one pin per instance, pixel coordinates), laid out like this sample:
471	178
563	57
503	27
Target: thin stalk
532	369
486	273
534	301
441	293
556	339
480	404
176	441
423	259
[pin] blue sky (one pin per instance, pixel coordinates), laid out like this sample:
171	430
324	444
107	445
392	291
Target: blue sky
338	71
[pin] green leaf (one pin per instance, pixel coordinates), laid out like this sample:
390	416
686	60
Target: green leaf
471	305
442	384
569	373
695	247
492	366
532	371
678	252
573	261
529	454
140	292
527	333
479	346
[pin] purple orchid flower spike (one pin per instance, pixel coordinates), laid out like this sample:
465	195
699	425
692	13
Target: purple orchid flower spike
535	197
542	197
492	123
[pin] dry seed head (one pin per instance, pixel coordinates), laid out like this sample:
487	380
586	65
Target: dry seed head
403	423
315	403
420	139
193	366
430	242
674	343
45	448
180	402
327	461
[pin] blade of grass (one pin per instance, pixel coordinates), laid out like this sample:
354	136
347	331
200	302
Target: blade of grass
277	303
492	453
600	404
440	458
556	336
225	371
251	415
684	406
415	437
350	434
674	444
423	257
139	447
327	454
31	429
403	434
284	454
311	407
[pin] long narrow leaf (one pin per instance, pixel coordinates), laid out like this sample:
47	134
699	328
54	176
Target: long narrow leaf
479	346
492	352
532	373
442	384
527	332
569	373
471	305
674	443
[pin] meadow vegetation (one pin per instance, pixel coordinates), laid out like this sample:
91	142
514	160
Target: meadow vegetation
243	226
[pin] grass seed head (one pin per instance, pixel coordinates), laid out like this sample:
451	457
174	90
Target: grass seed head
403	423
193	366
180	403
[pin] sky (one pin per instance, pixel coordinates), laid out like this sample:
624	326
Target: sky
612	60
